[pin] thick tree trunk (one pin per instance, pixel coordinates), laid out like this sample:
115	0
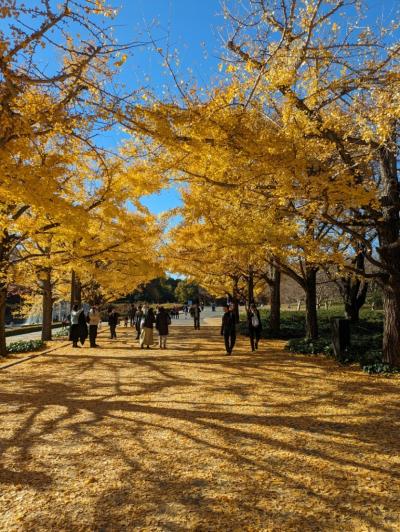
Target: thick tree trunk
310	288
3	299
250	286
275	301
354	290
76	290
389	250
235	299
47	307
355	300
391	331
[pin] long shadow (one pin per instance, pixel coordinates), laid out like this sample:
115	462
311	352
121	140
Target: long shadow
212	426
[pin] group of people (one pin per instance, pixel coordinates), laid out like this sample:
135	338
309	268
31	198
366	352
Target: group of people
228	327
143	318
82	326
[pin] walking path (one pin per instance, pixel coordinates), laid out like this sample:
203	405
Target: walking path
122	439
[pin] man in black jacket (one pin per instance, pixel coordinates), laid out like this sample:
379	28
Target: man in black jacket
228	329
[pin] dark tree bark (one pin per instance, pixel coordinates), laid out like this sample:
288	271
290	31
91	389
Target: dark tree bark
3	299
235	298
354	289
47	306
275	301
389	251
310	289
76	290
250	287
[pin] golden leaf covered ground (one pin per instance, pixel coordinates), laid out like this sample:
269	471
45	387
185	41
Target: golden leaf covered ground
120	439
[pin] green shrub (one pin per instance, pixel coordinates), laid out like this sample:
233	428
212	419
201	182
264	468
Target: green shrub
25	346
380	367
310	347
61	333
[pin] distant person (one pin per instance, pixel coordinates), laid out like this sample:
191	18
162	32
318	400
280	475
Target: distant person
254	326
162	325
138	319
195	313
228	328
146	334
113	322
126	320
78	330
131	315
94	320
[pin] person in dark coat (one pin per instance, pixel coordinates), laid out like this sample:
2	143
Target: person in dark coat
195	313
228	329
162	322
94	319
112	322
146	334
131	315
78	330
138	318
254	326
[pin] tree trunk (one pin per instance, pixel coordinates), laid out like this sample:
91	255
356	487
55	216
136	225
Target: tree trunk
76	290
310	288
3	299
47	306
389	250
275	301
391	334
235	299
354	290
355	300
250	286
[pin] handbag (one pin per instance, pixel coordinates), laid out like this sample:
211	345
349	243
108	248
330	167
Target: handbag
254	320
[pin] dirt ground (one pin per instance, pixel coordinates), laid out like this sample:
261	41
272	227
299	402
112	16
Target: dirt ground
120	439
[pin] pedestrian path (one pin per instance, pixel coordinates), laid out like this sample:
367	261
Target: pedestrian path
207	318
187	438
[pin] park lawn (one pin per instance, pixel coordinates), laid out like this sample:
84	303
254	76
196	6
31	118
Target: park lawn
189	439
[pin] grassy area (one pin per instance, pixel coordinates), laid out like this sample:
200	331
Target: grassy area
366	336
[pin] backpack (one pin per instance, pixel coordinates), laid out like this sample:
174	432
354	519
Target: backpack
255	321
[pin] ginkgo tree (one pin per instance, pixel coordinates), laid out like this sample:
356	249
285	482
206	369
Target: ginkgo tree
336	81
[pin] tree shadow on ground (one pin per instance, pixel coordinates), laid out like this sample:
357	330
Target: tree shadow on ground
180	441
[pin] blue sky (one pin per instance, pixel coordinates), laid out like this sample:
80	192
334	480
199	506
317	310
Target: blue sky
189	26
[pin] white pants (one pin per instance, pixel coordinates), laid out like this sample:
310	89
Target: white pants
163	341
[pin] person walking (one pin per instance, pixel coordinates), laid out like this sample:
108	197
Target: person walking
138	319
195	313
228	329
78	330
162	322
112	322
94	320
146	334
254	326
132	315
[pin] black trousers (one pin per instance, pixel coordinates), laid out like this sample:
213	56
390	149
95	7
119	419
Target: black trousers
255	335
113	334
230	340
92	335
196	322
